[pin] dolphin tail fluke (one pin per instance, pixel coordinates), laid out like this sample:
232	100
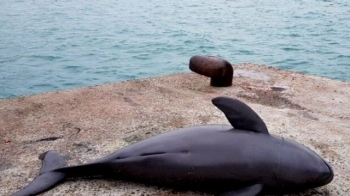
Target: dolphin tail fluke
48	177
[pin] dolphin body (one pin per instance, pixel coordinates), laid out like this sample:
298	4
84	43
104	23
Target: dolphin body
244	160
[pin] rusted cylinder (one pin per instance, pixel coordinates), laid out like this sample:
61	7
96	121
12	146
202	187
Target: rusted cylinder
219	70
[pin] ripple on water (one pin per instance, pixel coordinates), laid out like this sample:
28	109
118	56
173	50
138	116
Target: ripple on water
45	57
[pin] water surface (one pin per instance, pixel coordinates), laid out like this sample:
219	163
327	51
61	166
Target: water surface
51	45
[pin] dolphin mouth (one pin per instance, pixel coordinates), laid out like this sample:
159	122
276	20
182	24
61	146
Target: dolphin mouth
330	176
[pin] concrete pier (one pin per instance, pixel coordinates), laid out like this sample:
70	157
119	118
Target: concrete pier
88	123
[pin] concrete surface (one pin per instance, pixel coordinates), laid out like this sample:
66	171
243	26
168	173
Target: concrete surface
88	123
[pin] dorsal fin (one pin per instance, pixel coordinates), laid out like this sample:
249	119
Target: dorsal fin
240	115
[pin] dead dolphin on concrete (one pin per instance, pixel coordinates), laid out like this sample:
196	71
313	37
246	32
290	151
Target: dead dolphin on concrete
244	160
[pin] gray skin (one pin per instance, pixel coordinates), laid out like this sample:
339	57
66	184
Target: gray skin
244	160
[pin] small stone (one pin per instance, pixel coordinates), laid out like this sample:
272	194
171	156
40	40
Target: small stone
219	70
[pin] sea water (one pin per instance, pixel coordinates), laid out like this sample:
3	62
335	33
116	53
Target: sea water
51	45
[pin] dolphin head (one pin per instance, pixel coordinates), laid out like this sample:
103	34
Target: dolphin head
301	168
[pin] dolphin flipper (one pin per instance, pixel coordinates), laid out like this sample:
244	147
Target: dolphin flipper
240	115
245	191
47	178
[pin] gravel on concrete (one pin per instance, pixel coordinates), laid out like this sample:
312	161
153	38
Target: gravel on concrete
88	123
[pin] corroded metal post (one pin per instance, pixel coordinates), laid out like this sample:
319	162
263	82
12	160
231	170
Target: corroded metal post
219	70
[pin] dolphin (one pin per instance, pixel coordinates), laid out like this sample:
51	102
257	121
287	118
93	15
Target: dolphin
237	159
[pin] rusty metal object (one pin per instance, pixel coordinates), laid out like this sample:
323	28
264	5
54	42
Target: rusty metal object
219	70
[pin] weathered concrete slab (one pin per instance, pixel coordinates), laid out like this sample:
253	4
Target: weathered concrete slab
89	123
